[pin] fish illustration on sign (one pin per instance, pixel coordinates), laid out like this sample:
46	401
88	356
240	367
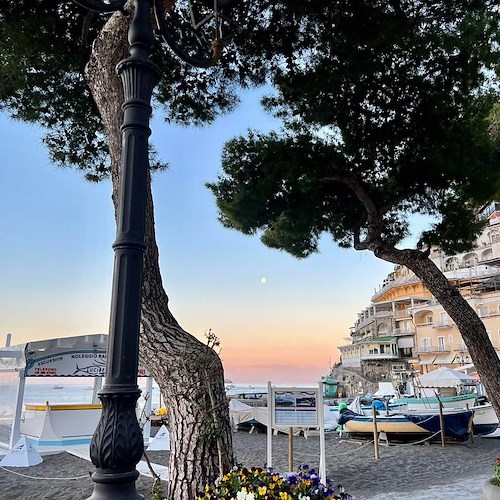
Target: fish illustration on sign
96	369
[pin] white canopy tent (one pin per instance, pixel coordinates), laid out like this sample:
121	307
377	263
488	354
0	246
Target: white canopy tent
82	356
445	377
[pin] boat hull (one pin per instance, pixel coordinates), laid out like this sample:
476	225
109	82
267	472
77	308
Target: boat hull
448	402
457	424
389	425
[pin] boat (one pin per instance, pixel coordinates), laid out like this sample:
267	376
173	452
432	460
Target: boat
411	425
58	387
461	401
484	420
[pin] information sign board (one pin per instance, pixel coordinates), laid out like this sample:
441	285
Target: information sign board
295	407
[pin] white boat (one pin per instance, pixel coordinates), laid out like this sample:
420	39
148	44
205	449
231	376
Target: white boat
462	401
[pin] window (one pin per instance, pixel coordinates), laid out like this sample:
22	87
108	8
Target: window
429	320
426	344
444	318
483	311
441	345
450	339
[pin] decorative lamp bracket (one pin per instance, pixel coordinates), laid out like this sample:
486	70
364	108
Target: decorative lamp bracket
196	30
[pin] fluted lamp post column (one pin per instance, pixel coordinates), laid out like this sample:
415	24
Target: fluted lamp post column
196	35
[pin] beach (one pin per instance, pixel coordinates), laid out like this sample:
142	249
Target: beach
402	471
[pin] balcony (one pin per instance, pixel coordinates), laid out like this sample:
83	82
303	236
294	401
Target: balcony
379	356
362	322
398	332
429	349
443	324
384	314
402	314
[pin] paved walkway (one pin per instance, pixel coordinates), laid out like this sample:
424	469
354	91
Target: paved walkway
469	489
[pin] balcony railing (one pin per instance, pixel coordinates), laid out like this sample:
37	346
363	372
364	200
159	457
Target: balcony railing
402	314
443	324
402	331
383	314
422	349
432	348
380	356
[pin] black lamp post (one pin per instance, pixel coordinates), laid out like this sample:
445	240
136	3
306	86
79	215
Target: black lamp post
117	444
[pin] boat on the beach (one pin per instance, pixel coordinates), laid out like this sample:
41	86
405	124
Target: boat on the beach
484	420
401	426
461	401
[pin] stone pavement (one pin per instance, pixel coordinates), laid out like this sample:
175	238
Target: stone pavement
403	472
469	489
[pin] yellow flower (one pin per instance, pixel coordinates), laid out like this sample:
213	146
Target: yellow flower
272	486
306	482
225	478
285	496
262	490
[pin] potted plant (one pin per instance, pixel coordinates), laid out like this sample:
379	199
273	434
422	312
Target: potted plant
264	484
491	488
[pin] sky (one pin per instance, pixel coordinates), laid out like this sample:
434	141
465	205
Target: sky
278	318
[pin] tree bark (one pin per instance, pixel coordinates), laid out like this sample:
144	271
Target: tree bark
189	373
468	322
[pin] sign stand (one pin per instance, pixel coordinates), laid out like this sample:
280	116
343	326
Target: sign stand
299	407
23	454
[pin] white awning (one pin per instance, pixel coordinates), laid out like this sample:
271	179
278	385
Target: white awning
405	342
444	359
428	361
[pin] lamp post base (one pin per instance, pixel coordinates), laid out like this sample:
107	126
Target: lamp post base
120	486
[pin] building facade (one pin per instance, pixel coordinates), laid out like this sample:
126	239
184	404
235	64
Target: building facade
405	327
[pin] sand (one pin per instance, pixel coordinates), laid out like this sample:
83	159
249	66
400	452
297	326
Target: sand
400	468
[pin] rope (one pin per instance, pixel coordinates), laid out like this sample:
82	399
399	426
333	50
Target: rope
366	444
416	442
45	478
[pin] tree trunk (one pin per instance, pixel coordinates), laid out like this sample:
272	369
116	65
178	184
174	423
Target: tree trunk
189	373
468	322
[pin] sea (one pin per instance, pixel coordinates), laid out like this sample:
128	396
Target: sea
63	391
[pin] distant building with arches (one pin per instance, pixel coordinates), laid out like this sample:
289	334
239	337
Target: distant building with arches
404	326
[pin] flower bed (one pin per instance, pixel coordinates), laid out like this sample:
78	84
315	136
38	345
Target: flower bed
496	470
259	483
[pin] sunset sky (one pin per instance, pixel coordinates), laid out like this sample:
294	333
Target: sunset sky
278	318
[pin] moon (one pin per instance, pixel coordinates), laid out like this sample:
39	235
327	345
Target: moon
263	280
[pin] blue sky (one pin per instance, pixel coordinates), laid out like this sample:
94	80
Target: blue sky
56	258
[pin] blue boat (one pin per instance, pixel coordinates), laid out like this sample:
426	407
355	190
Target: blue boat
457	424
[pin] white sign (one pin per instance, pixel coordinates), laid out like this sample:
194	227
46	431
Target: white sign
73	363
295	407
161	441
23	454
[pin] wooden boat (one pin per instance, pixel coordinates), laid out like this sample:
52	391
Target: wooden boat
457	424
433	402
484	420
